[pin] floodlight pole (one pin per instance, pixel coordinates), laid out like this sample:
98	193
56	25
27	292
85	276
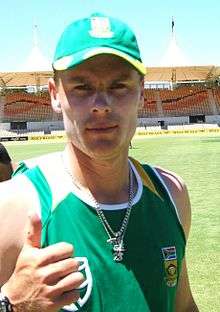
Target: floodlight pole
173	77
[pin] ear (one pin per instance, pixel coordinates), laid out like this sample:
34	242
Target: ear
141	102
54	96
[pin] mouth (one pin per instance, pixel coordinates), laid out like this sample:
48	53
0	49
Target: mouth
102	129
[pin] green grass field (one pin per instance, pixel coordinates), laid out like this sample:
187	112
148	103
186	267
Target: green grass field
196	159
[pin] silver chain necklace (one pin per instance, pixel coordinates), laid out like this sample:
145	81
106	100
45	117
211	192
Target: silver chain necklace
116	239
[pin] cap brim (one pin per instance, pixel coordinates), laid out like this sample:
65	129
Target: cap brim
70	61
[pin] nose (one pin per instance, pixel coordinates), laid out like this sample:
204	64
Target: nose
101	103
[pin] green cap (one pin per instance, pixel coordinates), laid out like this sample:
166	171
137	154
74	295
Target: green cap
97	34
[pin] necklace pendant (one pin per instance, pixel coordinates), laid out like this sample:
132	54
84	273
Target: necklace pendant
118	251
118	257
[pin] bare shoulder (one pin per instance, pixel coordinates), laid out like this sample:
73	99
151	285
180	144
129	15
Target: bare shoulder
179	192
15	202
172	179
13	193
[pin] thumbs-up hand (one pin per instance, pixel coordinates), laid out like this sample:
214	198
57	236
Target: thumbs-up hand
44	280
33	231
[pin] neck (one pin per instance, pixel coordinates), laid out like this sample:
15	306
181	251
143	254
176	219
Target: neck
107	180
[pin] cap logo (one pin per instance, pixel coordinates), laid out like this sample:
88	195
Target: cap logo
100	27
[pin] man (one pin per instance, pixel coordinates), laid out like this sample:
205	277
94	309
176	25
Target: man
104	233
6	166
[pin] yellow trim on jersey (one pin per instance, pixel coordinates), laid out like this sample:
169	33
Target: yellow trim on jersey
144	177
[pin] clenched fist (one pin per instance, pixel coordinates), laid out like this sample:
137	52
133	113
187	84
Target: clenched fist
44	279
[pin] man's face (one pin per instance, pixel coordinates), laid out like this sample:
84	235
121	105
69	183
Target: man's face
99	100
5	171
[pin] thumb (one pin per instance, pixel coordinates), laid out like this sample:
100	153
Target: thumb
33	231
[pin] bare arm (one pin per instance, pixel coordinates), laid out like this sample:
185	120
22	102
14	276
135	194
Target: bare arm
13	216
184	298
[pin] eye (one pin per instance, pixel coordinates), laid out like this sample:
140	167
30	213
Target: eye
82	87
118	86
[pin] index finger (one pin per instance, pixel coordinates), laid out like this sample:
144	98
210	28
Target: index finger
56	252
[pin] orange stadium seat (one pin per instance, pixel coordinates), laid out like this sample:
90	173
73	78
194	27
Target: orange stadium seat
183	101
22	106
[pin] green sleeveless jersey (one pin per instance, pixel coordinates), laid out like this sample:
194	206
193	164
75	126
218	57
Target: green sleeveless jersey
147	278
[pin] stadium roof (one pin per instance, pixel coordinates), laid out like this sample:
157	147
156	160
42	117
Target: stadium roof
24	79
178	74
35	61
188	73
174	55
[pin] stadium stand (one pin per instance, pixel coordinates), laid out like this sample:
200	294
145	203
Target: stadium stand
179	102
170	93
22	106
217	98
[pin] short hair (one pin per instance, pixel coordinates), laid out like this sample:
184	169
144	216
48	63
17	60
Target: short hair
55	76
4	156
